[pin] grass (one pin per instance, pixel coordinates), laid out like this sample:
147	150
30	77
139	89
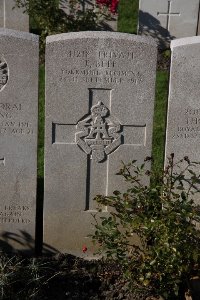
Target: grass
159	123
41	122
128	16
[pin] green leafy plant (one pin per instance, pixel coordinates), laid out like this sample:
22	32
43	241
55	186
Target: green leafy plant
49	19
151	230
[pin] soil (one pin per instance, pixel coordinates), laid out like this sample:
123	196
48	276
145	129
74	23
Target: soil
163	61
80	279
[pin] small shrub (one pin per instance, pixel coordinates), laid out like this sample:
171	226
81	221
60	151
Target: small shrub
49	19
111	5
151	231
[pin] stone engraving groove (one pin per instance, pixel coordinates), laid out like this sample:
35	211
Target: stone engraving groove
168	14
3	73
99	133
98	130
2	161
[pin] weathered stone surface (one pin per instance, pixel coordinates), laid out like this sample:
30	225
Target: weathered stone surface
168	19
18	138
183	125
13	18
99	111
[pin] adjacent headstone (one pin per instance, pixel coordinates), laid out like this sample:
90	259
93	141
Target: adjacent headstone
13	17
183	125
168	19
18	139
198	29
106	22
99	112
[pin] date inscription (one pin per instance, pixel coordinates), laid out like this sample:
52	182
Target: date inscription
9	113
104	69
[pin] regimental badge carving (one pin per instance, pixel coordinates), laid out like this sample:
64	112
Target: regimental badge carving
3	73
99	133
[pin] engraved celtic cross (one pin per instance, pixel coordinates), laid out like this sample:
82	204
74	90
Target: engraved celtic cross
169	14
99	134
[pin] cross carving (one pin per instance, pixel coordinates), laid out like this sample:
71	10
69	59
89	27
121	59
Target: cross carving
98	137
168	14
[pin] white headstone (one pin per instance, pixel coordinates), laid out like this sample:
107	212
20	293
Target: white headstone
18	138
1	13
13	17
99	112
168	19
183	124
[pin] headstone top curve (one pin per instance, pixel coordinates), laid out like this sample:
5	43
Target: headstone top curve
100	35
19	34
185	41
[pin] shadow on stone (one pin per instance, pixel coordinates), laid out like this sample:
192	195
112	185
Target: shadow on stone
195	288
22	242
108	25
11	242
150	26
39	216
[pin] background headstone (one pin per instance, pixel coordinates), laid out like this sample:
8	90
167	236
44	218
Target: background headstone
99	112
1	13
18	138
183	125
13	18
106	24
168	19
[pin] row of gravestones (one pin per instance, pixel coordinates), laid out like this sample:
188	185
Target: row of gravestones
99	112
163	19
